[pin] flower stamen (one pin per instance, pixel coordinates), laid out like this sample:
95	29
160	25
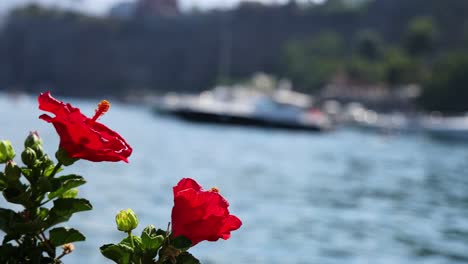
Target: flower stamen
214	189
103	107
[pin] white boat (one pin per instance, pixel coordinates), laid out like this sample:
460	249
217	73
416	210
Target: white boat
451	128
240	105
386	123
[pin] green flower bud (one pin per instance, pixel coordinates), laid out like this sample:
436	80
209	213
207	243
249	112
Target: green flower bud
46	161
39	150
32	140
62	157
6	151
126	220
28	157
12	171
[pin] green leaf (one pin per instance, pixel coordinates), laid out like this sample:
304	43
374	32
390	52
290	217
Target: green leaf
61	235
3	185
3	182
26	172
72	193
161	232
44	185
181	242
42	213
18	195
65	183
8	253
64	208
120	253
49	168
7	218
137	244
10	237
186	258
33	226
151	241
69	206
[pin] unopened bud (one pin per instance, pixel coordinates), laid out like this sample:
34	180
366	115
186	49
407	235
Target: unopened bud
28	157
126	220
39	150
32	140
46	161
12	171
68	248
6	151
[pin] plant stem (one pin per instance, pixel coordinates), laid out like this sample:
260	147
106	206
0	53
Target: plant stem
56	168
48	245
61	255
133	244
168	229
131	238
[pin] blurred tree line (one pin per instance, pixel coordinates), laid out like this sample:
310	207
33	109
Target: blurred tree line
392	42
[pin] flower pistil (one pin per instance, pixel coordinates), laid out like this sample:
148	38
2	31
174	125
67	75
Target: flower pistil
103	107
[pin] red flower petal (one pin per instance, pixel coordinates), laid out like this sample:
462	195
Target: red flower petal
80	136
201	215
186	183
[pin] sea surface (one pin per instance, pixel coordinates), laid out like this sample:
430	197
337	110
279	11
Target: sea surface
340	197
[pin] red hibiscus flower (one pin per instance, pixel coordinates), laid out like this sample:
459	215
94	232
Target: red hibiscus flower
201	215
83	137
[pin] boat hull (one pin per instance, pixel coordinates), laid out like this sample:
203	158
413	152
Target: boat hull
250	121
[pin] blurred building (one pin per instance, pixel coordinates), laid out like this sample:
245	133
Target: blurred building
157	7
145	8
123	10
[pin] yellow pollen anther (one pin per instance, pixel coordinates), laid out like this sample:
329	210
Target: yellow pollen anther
214	189
103	107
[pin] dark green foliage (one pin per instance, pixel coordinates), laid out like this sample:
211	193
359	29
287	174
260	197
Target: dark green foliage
64	208
420	36
151	241
312	62
447	90
153	246
369	45
61	235
400	68
187	258
120	253
64	184
393	42
8	219
32	187
181	242
3	184
80	55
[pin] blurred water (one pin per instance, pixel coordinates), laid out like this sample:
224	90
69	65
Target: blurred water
342	197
